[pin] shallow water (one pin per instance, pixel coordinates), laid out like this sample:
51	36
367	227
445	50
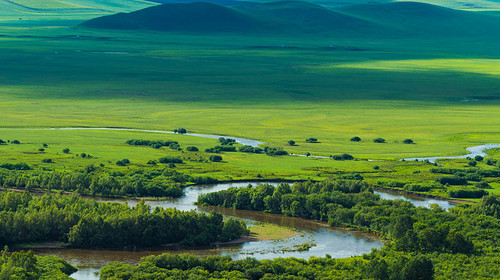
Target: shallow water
473	151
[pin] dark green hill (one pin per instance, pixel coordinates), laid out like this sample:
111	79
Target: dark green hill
310	18
192	17
400	19
414	18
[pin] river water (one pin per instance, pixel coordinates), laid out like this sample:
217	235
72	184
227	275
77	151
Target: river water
337	243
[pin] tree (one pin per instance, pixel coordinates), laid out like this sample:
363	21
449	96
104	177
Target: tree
379	140
66	150
478	158
83	155
418	268
291	142
180	130
215	158
472	162
408	141
192	149
355	139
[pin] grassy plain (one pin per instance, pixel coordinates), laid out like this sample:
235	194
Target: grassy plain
442	93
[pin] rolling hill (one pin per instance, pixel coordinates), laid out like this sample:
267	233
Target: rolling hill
279	17
415	18
396	19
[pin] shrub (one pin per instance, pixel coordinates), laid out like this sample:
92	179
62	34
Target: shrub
376	167
83	155
47	160
2	142
343	157
291	142
472	162
467	193
123	162
417	188
482	185
15	166
45	145
491	161
66	150
226	141
250	149
312	140
452	180
215	158
41	150
15	142
180	130
192	149
379	140
170	160
478	158
408	141
355	139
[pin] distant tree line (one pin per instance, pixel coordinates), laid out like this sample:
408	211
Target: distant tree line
92	181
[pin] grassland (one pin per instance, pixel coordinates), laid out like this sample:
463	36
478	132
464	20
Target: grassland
442	93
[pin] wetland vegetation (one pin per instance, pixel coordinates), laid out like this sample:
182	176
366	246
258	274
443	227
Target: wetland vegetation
357	88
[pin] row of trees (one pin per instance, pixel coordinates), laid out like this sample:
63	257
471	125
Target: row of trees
94	181
169	266
85	223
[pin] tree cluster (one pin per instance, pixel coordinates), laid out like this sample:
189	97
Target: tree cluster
85	223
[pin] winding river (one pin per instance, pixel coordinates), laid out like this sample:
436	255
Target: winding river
473	151
332	241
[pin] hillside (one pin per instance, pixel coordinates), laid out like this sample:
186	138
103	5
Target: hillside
191	17
414	18
398	19
279	17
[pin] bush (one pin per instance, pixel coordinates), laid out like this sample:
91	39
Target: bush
15	142
472	162
291	142
417	188
355	139
312	140
180	130
15	166
66	150
215	158
491	161
83	155
47	160
408	141
467	193
379	140
343	157
250	149
478	158
452	180
170	160
41	150
482	185
123	162
274	151
226	141
2	142
192	149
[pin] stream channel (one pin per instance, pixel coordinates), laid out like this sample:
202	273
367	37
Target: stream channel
335	242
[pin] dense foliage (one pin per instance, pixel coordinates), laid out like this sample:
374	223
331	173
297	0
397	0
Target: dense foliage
25	265
94	181
467	233
85	223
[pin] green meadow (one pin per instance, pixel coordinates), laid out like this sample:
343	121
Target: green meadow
443	93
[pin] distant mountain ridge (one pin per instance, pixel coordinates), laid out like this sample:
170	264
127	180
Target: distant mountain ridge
398	19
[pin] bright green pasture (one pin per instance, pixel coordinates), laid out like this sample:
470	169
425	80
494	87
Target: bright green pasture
253	88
